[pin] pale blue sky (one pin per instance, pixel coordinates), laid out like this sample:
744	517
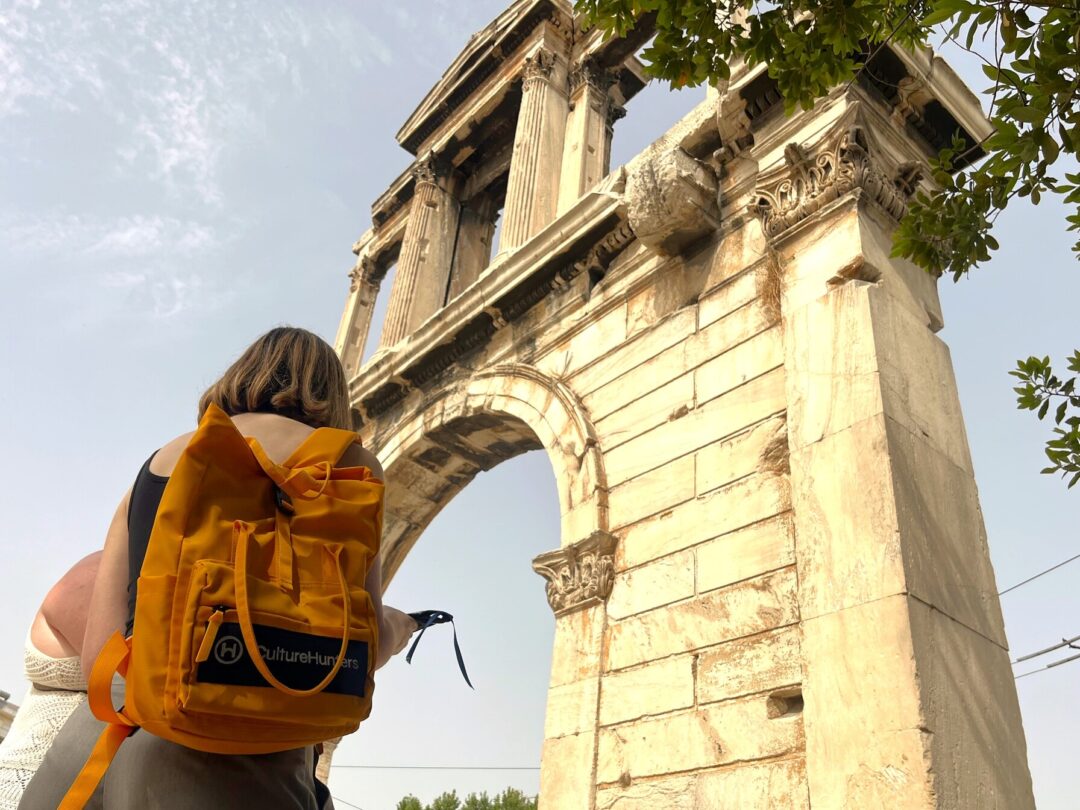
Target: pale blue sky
175	178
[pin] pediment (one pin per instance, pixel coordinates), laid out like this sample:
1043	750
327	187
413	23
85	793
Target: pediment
482	55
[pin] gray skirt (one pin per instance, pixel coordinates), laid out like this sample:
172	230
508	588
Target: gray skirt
150	773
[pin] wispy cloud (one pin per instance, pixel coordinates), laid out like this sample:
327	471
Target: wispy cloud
144	265
183	80
125	237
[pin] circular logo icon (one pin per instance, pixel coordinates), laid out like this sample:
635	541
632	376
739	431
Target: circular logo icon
228	650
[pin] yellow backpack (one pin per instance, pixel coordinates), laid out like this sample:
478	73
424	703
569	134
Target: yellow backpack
253	632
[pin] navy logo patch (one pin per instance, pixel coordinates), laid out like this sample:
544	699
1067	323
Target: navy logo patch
298	660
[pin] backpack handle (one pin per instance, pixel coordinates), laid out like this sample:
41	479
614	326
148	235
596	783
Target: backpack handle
247	628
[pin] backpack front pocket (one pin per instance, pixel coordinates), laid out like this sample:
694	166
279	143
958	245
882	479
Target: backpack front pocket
218	674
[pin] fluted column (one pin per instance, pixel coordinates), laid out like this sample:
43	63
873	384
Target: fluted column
587	149
356	323
533	189
423	268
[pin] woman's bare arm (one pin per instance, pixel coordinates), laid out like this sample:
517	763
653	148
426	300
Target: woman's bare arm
395	627
60	625
108	604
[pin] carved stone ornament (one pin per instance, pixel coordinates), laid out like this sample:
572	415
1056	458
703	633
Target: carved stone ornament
579	575
812	181
615	112
733	126
430	169
361	273
539	65
671	199
589	72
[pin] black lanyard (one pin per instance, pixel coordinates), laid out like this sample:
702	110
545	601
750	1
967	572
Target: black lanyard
425	619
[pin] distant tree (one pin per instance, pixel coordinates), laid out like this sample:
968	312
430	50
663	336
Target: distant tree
447	801
509	799
1030	52
514	799
477	802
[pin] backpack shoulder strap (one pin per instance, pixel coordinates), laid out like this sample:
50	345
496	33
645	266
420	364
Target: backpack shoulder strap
323	444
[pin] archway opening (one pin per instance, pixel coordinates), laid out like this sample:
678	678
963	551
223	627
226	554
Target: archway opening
473	560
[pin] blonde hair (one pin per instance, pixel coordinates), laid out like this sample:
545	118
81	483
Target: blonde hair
287	371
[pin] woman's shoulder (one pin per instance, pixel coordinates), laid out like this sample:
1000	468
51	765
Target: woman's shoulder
360	456
166	457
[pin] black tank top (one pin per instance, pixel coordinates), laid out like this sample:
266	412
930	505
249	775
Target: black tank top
142	509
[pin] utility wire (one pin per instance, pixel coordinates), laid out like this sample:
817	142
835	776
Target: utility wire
338	799
1041	573
438	767
1065	642
1049	666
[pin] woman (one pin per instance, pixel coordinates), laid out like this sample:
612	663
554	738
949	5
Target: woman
287	384
57	685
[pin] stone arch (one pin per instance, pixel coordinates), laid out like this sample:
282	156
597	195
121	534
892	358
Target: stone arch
442	443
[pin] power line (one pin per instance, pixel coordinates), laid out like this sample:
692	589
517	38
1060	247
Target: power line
1065	642
438	767
347	804
1049	666
1041	573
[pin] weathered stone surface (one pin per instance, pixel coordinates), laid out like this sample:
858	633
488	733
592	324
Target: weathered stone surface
675	361
671	199
724	416
641	346
662	405
735	292
661	582
566	773
956	690
740	610
771	786
746	553
721	511
737	456
861	681
653	491
576	652
649	690
739	364
669	794
753	664
916	526
571	708
734	731
854	354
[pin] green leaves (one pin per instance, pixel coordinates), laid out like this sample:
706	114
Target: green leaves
1040	391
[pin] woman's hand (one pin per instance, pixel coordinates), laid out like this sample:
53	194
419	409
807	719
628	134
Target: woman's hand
394	632
401	626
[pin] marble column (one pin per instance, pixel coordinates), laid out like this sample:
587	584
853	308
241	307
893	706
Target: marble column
587	149
427	249
356	325
533	188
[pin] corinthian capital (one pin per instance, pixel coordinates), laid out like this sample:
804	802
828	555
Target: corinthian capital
588	72
579	575
430	169
539	65
814	177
